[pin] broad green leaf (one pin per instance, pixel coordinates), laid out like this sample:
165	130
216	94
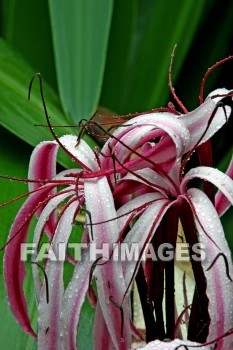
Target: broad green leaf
20	116
28	31
14	155
80	31
142	37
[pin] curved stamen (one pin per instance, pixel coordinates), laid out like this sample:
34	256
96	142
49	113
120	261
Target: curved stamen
40	181
179	320
118	306
56	138
210	70
46	279
95	263
176	98
226	264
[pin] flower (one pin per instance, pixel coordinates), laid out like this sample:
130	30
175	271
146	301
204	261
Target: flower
137	176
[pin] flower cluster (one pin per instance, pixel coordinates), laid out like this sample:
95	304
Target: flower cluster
135	189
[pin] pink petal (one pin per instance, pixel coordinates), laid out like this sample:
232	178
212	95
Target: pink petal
221	202
197	120
14	270
82	152
219	287
151	177
110	281
73	300
216	177
43	218
142	233
49	312
145	128
43	166
102	339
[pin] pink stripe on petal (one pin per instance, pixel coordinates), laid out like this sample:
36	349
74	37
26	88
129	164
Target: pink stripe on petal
102	339
110	281
82	152
219	287
14	270
43	166
73	300
142	233
221	202
49	313
197	120
145	128
43	218
216	177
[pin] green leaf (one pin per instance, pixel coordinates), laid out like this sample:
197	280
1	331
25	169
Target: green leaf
11	335
80	31
136	75
28	31
20	116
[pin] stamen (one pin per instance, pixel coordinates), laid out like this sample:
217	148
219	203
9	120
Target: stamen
48	119
90	219
39	181
122	314
179	320
176	98
46	279
226	264
209	70
95	263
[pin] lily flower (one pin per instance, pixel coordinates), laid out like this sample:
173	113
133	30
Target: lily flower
139	174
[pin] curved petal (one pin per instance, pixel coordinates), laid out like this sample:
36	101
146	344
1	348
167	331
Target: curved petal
43	218
219	287
142	233
81	151
134	207
14	269
49	311
110	281
73	300
216	177
148	177
145	128
197	120
221	202
102	339
42	165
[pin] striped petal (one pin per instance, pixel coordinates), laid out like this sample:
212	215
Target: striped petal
197	120
221	201
14	269
110	281
49	312
219	286
73	300
216	177
43	166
